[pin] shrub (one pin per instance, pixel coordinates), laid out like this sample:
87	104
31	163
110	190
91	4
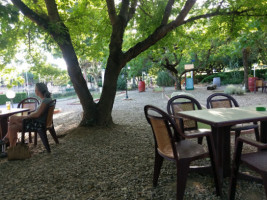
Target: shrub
121	83
63	95
232	89
19	96
226	78
164	79
233	77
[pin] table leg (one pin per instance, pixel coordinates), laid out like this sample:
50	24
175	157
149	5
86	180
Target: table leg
221	136
263	132
3	126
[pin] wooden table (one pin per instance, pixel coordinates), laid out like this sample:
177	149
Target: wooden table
220	120
4	115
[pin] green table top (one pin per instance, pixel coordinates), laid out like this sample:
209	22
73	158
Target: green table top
226	116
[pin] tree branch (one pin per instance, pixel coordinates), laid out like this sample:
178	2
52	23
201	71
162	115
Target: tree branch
111	11
40	21
159	33
167	12
143	10
132	10
184	12
124	11
217	13
189	70
171	68
52	10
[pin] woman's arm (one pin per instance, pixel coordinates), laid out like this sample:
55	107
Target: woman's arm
38	112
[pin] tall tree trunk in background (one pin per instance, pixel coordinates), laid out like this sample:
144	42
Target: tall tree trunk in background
178	83
175	77
245	53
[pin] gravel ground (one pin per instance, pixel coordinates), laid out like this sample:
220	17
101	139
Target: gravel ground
110	163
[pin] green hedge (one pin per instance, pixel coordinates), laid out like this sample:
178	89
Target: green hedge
121	83
164	79
234	77
19	96
226	78
63	95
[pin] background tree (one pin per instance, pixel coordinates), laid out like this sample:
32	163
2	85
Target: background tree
146	22
92	69
8	33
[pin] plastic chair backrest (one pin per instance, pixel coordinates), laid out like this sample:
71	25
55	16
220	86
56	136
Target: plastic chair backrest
164	131
50	112
183	103
259	83
31	103
221	100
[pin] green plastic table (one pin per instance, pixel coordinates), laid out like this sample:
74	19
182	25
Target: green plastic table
220	120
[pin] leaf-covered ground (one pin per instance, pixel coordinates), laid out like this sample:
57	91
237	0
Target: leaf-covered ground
111	163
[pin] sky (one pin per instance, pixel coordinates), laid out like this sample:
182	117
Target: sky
24	66
60	62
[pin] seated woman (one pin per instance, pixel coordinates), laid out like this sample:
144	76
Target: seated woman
15	122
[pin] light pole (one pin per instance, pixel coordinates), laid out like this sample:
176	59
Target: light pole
125	75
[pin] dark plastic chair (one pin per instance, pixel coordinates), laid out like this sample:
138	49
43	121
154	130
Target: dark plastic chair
185	103
221	100
259	83
182	152
31	103
256	161
42	131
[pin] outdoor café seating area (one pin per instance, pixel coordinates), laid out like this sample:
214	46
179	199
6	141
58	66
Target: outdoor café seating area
174	132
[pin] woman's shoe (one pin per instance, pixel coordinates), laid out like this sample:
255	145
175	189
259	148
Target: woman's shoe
2	142
3	155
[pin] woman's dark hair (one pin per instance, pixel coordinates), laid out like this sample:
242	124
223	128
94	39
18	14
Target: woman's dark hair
41	87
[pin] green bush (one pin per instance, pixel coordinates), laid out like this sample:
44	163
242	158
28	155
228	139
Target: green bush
70	90
234	77
19	96
164	79
63	95
232	89
226	78
121	83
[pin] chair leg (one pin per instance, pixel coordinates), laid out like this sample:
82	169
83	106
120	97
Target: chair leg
35	138
214	165
157	167
257	134
182	172
22	137
264	178
54	135
235	167
43	136
200	140
237	134
30	137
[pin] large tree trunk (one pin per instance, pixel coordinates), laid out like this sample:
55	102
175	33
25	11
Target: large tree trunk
105	105
79	83
245	53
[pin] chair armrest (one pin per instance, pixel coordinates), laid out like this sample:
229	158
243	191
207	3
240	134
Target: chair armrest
252	142
193	135
197	135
